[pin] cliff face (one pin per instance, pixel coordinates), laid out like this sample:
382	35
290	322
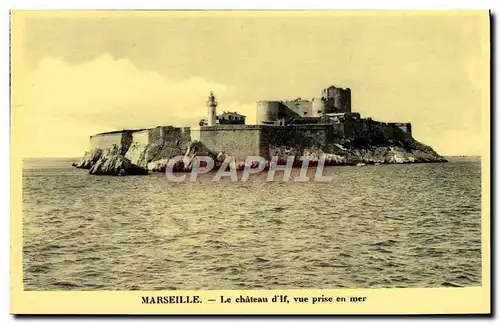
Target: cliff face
369	143
109	161
153	144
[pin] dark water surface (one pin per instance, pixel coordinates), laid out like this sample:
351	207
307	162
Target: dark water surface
373	226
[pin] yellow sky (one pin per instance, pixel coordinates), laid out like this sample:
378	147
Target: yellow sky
77	74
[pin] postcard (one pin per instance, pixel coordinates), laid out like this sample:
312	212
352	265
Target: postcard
250	162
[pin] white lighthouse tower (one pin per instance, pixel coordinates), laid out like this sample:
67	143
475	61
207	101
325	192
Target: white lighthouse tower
212	109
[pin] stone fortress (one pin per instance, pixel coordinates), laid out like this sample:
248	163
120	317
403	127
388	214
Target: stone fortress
323	125
334	102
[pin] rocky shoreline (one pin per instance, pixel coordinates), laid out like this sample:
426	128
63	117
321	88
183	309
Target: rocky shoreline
140	160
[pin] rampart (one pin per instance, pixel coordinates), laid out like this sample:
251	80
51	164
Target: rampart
237	140
241	141
161	135
121	139
142	146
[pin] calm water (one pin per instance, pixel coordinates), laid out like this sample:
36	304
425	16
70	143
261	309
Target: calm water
373	226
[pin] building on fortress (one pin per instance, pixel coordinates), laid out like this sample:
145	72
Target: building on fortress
299	123
283	112
231	118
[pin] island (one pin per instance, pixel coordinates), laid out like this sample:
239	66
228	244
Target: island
321	128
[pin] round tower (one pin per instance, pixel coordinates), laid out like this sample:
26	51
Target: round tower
318	107
267	112
212	109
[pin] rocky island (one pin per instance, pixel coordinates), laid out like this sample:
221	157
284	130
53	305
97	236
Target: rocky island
323	127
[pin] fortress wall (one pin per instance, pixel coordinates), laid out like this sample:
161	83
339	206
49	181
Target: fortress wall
167	142
334	132
141	137
239	141
155	134
271	111
104	141
363	127
267	141
302	107
352	126
294	140
405	127
387	130
367	127
367	131
168	134
179	136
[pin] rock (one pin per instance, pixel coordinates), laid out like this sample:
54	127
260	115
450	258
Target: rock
194	149
158	166
241	165
113	163
339	147
334	159
159	149
88	159
197	148
136	154
399	155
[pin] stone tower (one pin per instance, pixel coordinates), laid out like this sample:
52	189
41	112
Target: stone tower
337	99
212	109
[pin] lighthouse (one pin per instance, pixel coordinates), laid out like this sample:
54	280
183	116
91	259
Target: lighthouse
212	110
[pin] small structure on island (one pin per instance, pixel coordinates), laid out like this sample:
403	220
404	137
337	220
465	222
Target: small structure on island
231	118
226	118
212	109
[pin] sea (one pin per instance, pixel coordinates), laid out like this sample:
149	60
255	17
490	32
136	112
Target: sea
373	226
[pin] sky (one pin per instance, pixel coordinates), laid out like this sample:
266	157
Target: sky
77	74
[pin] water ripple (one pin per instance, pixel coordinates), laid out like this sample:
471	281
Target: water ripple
392	226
